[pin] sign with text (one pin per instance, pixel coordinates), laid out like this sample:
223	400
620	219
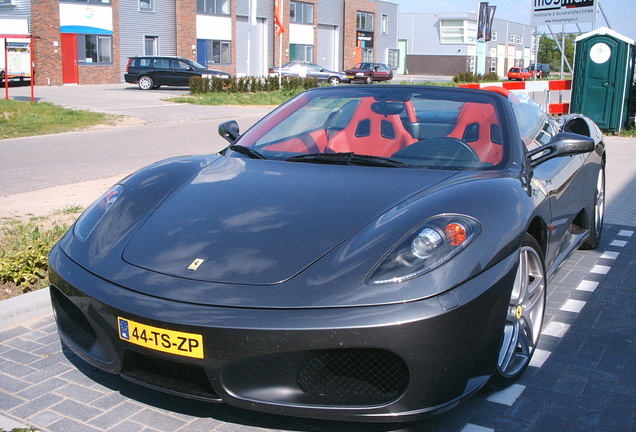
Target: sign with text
549	12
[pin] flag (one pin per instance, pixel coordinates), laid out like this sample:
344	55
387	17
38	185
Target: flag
491	16
483	18
278	23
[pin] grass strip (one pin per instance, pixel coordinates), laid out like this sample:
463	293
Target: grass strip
20	119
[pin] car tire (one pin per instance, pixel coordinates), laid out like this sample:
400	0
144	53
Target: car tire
597	213
334	81
369	79
524	317
145	82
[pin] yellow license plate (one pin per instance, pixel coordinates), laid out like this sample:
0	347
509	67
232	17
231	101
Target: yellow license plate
159	339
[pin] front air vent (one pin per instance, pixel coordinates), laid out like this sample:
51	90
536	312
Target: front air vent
362	375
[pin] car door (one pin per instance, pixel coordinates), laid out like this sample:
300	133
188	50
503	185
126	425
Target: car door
160	71
181	72
315	71
381	72
563	181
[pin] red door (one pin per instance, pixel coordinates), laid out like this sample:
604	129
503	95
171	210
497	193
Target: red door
69	58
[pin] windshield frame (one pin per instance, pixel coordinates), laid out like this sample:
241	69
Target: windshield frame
254	137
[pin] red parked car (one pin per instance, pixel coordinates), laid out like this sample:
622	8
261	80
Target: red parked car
520	74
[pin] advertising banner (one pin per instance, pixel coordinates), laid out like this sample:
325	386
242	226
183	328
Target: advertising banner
549	12
18	59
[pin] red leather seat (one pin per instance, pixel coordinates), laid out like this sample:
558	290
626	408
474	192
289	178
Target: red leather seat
478	126
372	131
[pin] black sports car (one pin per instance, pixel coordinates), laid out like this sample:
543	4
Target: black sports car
362	253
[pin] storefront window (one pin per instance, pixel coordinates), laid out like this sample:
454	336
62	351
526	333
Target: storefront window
95	49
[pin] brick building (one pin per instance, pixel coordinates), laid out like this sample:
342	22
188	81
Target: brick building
89	41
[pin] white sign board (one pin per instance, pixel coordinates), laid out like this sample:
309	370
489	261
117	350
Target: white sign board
549	12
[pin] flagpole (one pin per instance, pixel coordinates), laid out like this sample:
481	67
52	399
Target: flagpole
280	46
249	36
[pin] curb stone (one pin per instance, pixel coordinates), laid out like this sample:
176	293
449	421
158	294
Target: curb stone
25	308
7	423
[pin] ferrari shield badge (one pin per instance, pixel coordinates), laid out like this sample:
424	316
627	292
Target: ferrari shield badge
196	264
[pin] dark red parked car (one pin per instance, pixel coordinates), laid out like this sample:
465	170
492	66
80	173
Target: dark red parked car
369	72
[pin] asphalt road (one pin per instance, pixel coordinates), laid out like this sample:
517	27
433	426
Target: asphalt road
156	130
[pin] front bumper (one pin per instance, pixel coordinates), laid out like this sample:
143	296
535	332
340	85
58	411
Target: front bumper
382	363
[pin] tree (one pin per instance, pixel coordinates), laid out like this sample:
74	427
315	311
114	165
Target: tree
549	50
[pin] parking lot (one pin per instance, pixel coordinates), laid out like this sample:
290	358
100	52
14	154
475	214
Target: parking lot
582	377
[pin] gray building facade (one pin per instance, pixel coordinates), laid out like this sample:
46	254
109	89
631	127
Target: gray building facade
446	44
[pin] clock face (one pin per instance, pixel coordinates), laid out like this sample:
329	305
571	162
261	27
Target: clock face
600	53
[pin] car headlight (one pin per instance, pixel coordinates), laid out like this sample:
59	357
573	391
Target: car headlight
428	246
88	220
360	74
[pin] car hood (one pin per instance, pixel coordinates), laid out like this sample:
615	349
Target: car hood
244	221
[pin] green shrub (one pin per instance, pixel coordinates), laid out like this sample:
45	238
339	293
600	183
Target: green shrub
24	248
250	84
491	76
470	77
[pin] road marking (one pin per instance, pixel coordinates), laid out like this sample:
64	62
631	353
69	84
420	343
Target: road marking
618	243
507	396
587	285
539	357
474	428
556	329
600	269
625	233
610	255
573	306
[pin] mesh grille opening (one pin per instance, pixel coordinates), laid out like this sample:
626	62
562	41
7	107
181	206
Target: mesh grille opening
71	321
358	374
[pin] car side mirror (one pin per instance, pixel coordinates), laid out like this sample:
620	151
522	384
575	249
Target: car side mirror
229	130
562	144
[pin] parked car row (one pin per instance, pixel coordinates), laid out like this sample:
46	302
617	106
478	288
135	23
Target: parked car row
151	72
361	72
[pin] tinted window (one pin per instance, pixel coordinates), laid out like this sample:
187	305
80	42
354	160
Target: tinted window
161	63
141	62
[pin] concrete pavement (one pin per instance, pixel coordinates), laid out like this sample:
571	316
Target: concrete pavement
582	378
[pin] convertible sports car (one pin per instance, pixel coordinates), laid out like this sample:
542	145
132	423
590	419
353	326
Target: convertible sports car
362	253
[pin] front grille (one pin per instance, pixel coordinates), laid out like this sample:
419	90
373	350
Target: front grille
357	374
168	376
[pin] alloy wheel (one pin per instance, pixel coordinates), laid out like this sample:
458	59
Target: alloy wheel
524	317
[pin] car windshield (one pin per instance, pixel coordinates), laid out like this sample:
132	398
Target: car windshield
400	126
194	64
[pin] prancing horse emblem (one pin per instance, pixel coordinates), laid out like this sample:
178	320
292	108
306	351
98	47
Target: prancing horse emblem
195	264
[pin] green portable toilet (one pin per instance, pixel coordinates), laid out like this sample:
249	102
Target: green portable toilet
603	77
